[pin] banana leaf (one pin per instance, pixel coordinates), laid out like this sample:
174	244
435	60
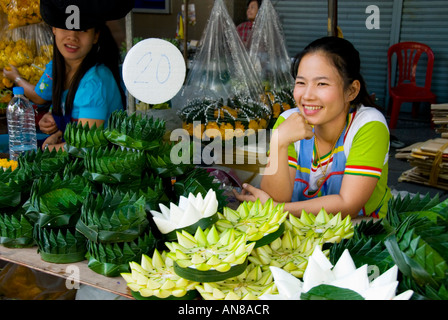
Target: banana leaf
81	138
134	131
15	230
15	186
111	259
113	165
57	201
198	181
44	162
328	292
64	245
160	161
113	217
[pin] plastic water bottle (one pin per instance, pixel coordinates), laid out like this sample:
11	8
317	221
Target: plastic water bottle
21	124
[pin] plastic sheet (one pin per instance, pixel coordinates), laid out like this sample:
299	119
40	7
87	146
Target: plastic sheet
18	282
222	90
268	53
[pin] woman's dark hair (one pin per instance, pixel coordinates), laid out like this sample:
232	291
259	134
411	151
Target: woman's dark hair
105	51
345	58
249	1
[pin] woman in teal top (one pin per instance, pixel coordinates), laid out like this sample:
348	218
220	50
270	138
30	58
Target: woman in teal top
97	88
85	79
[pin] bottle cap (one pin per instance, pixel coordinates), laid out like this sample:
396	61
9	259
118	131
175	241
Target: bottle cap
18	90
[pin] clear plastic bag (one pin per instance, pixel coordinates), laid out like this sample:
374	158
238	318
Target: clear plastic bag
29	49
21	12
222	89
19	282
268	53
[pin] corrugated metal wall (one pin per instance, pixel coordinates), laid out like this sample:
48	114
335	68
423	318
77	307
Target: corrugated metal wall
427	22
400	20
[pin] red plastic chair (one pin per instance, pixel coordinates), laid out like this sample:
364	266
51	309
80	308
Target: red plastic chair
406	90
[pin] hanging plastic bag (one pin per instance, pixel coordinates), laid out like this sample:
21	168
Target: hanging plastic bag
29	49
268	53
222	89
21	12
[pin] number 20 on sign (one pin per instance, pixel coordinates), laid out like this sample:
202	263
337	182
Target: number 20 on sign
154	71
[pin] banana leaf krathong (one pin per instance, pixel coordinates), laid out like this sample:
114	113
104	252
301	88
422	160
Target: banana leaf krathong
414	236
113	165
60	245
15	187
82	138
135	131
160	160
198	181
56	201
44	162
112	259
16	231
113	217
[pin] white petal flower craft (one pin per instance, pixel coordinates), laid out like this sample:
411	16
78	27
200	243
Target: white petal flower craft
189	211
344	275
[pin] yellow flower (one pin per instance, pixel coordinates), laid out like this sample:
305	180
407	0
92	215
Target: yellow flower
5	163
253	124
239	129
198	130
262	124
212	130
226	130
286	106
7	83
188	127
276	109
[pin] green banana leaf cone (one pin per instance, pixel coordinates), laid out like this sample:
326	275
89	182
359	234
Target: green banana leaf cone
16	231
15	187
113	165
135	131
81	138
45	162
55	201
112	258
60	245
113	216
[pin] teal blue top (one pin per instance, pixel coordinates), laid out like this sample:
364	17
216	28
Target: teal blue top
98	94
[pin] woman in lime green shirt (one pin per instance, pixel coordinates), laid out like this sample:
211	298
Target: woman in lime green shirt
332	151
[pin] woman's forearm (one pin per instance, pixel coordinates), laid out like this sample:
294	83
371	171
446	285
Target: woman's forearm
276	180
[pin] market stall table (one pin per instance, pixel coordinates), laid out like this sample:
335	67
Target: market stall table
29	257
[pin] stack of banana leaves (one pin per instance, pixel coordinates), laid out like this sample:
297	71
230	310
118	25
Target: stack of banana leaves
92	200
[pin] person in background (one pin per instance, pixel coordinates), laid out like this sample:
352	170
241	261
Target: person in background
83	81
41	93
332	151
86	81
245	29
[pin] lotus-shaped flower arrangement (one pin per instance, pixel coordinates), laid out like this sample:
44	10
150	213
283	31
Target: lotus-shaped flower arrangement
191	212
343	280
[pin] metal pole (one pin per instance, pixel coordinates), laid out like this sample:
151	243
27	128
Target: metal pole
129	37
332	27
185	21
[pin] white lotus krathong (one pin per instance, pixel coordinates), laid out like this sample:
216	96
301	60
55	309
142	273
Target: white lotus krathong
189	211
344	275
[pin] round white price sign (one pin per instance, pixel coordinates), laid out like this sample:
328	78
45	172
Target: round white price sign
154	71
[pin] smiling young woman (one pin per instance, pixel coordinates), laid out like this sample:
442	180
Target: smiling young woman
332	151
